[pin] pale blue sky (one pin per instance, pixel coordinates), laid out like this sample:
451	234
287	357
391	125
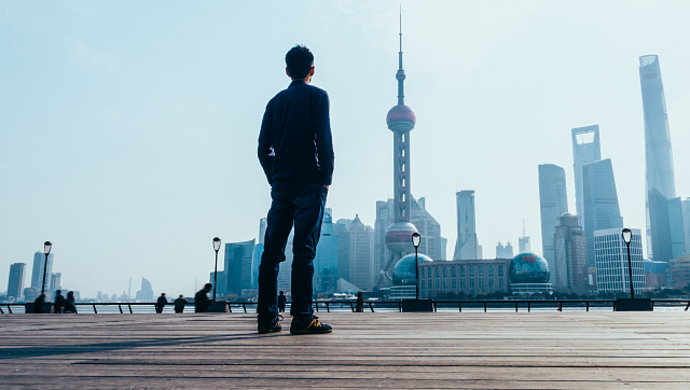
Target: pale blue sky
128	129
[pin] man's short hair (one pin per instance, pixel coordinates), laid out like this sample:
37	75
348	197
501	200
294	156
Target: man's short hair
299	61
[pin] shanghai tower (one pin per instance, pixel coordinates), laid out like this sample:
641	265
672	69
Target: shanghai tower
658	153
401	121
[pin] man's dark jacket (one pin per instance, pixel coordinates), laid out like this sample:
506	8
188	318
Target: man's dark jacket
295	143
201	302
59	303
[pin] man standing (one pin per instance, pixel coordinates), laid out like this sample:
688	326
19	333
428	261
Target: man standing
160	303
296	153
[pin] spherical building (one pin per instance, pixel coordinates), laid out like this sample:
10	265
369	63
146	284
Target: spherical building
404	272
399	237
529	274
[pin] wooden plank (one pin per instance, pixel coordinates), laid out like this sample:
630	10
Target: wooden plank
572	350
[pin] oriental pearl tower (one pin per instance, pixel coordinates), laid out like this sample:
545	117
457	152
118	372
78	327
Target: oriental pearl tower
401	121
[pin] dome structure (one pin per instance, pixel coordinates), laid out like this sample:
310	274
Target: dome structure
400	113
399	237
529	267
404	271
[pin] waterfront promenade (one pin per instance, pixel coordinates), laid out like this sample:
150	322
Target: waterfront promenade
568	350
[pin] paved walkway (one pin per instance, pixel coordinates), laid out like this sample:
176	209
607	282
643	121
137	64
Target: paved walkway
576	350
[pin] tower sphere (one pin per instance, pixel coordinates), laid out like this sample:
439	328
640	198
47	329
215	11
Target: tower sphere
399	237
529	267
401	114
404	272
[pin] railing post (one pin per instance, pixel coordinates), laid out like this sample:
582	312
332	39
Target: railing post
516	307
529	307
2	312
328	307
94	310
400	306
459	307
688	306
244	305
484	306
120	307
228	307
371	306
9	308
614	305
652	305
587	305
130	309
352	307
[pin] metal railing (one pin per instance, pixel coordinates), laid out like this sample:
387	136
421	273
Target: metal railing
372	306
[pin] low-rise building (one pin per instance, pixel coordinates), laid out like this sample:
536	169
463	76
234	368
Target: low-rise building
471	277
680	271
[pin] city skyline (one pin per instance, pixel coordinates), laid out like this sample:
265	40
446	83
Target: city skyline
142	142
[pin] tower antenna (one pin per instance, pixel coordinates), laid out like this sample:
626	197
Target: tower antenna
524	231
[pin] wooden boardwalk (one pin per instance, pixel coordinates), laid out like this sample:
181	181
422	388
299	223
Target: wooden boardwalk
570	350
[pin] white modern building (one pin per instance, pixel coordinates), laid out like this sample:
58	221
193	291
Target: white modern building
611	258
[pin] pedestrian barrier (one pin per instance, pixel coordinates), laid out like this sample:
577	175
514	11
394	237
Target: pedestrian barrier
374	306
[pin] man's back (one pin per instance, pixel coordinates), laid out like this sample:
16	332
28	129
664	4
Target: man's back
296	130
201	301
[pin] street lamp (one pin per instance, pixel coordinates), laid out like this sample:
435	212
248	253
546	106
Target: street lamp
47	246
416	239
216	247
627	237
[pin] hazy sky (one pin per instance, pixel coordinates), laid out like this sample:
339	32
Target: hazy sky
128	129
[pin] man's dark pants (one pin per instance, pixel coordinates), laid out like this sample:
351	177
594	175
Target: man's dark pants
301	205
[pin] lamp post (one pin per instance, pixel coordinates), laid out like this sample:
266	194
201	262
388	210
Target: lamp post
216	247
416	239
627	237
47	246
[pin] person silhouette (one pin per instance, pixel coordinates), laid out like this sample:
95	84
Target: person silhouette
201	299
180	303
296	153
282	301
59	304
160	303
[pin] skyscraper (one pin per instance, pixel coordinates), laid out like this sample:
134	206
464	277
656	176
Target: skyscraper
611	259
15	285
524	241
431	244
37	271
675	222
667	230
361	261
467	244
401	121
504	251
237	268
258	251
586	149
553	202
146	292
658	151
685	212
326	260
570	256
601	202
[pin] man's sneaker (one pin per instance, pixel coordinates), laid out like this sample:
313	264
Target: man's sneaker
308	325
272	327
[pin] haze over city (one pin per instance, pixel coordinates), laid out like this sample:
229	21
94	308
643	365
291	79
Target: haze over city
128	131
